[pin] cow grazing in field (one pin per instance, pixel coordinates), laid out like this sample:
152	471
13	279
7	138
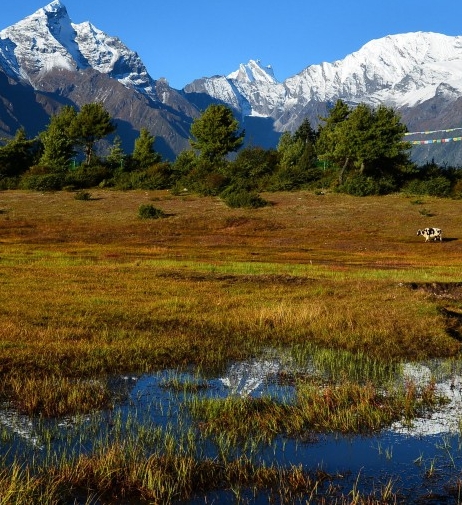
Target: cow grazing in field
431	234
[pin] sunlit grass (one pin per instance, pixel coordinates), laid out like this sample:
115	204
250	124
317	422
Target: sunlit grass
88	290
167	477
95	307
345	408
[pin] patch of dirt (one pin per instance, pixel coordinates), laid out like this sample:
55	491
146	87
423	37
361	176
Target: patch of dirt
233	279
453	323
445	291
448	290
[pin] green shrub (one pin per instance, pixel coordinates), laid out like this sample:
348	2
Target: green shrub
82	195
360	185
179	189
435	186
210	184
88	176
9	183
47	182
206	178
148	211
439	186
243	198
155	177
457	189
365	185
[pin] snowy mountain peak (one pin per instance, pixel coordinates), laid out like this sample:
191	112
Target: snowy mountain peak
400	70
54	7
48	41
253	72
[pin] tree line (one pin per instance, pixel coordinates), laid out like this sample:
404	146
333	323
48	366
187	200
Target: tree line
357	150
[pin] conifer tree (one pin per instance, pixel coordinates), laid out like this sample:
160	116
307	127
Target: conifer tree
215	133
365	139
58	146
17	155
116	156
144	154
91	124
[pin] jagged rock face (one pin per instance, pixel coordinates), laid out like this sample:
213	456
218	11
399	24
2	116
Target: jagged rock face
48	41
48	61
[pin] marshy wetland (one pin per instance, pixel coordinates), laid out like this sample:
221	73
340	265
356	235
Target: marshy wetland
304	352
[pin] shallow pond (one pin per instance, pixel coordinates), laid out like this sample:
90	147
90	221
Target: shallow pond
422	462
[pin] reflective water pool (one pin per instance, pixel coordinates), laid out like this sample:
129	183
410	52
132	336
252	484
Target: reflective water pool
423	461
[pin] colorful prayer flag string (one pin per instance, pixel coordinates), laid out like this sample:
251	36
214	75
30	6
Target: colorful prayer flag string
433	131
435	141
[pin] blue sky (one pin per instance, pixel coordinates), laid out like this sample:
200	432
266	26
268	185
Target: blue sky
184	40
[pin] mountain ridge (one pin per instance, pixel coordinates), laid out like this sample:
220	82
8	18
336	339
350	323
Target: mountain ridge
419	74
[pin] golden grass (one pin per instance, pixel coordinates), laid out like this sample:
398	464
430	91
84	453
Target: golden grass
122	473
87	288
340	408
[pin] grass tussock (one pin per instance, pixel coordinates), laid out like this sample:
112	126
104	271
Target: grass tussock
56	396
120	473
344	408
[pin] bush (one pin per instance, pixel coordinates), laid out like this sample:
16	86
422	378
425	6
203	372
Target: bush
88	176
82	195
363	185
9	183
360	185
287	179
243	198
253	166
206	178
155	177
439	186
47	182
206	184
435	186
148	211
457	189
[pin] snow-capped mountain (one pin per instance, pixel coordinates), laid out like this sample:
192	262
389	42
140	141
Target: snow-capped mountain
397	70
48	41
419	74
46	60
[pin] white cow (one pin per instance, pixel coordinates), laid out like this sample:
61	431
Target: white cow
431	234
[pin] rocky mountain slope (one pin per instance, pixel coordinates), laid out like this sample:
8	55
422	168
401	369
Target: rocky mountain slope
47	61
419	74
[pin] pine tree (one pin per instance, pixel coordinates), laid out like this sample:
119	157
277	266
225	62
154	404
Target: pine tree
366	139
91	124
215	133
116	156
17	155
58	146
144	155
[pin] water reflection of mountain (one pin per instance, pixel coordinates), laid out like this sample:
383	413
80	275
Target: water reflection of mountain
259	375
255	377
248	377
446	418
21	425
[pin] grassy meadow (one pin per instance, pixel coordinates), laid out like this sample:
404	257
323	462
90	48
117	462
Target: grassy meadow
89	289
